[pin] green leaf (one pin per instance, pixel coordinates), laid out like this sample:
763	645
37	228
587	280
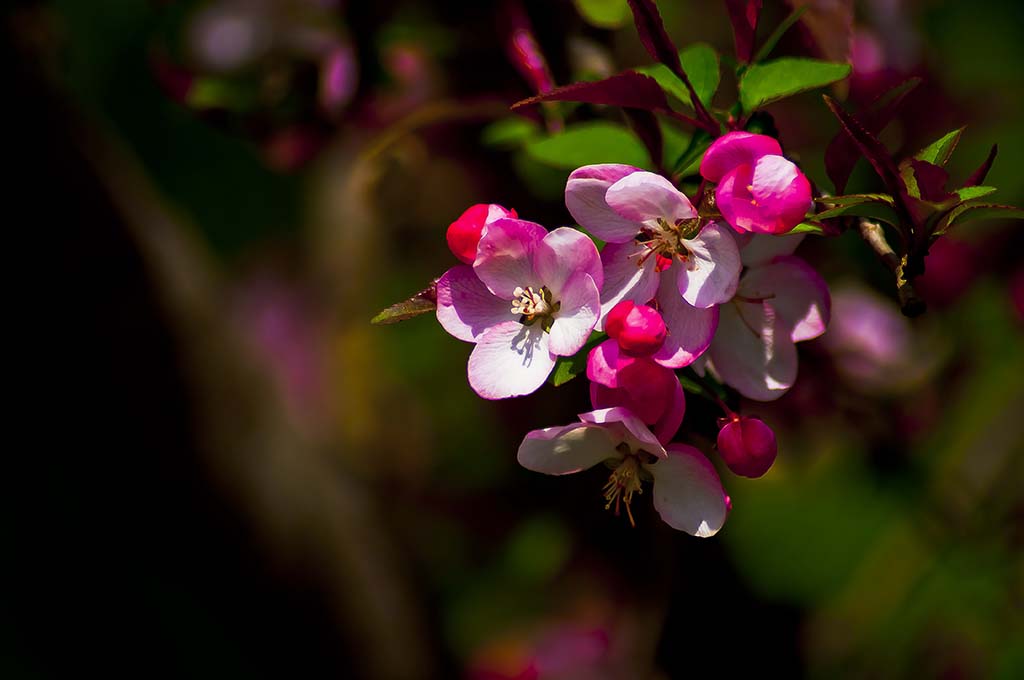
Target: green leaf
876	210
510	132
700	62
705	386
970	193
854	199
807	228
589	143
604	13
939	151
773	80
420	303
691	386
969	212
699	143
567	368
674	140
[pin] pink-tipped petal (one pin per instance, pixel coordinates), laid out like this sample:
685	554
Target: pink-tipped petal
629	274
747	446
667	426
784	189
770	197
504	259
465	308
563	253
687	492
711	271
565	450
752	351
644	196
510	360
643	387
585	198
763	248
580	306
624	424
690	329
663	424
604	363
797	292
736	148
734	200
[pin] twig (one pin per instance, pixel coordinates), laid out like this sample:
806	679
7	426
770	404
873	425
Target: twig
911	303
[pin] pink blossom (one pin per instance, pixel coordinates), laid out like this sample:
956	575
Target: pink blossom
530	297
780	301
758	190
648	216
747	445
687	491
633	369
656	249
464	233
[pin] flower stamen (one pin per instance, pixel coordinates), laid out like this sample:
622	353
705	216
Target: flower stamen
623	483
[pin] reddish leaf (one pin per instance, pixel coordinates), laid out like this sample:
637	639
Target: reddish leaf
870	147
978	176
842	153
420	303
660	46
646	127
628	89
931	181
743	16
653	35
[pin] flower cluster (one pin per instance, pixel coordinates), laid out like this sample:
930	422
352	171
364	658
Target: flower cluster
713	287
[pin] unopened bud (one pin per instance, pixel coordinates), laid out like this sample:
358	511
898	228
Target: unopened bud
638	329
464	233
747	446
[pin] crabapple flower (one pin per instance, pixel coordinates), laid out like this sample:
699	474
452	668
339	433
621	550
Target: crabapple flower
464	233
758	190
780	301
651	228
687	491
633	369
530	297
747	445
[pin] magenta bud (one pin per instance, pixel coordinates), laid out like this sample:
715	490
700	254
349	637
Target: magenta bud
464	233
747	446
638	329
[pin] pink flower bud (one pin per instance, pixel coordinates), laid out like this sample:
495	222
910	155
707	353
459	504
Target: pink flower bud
758	190
747	446
464	233
638	329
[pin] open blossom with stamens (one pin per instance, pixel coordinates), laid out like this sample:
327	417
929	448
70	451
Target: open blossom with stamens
780	301
633	369
656	248
687	491
758	190
530	297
